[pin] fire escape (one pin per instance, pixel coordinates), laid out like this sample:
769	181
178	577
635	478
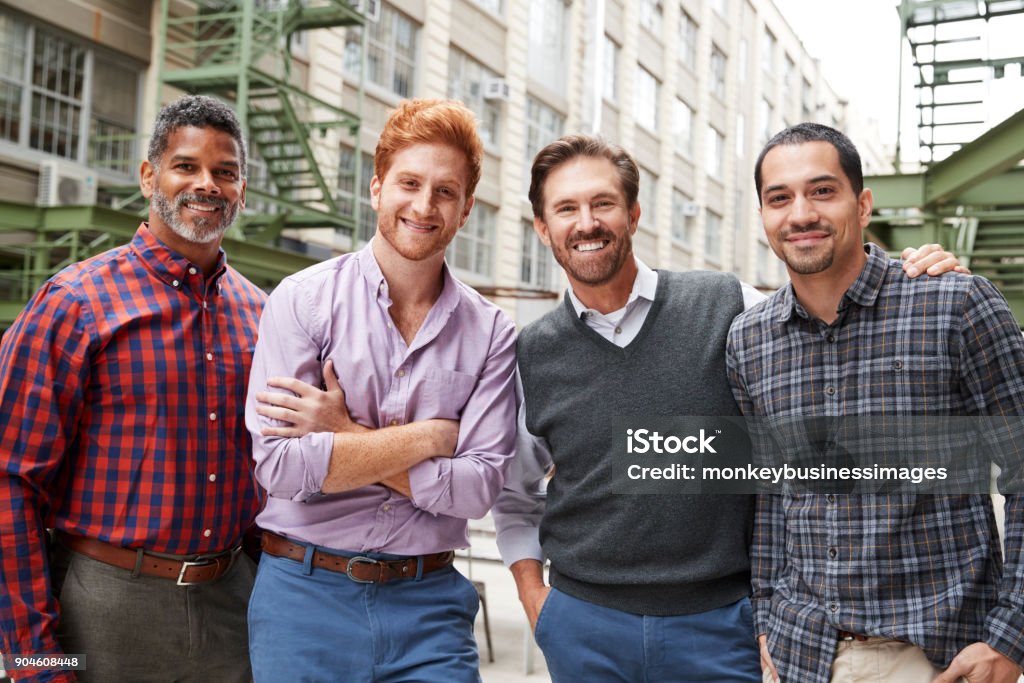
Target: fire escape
241	52
968	192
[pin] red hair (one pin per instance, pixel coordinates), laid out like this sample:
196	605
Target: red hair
430	121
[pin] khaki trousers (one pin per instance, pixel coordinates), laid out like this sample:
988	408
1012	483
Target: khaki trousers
880	660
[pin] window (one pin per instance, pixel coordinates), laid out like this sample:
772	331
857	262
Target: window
537	266
346	183
648	198
543	125
81	104
715	149
610	87
768	52
645	100
806	101
651	16
713	238
683	214
390	51
765	114
466	80
548	37
686	40
472	248
789	75
718	67
682	127
492	5
741	135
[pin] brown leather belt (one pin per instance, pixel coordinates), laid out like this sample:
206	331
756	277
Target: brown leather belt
203	569
846	635
360	569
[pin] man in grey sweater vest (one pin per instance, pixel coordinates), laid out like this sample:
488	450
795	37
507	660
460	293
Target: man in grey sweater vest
644	587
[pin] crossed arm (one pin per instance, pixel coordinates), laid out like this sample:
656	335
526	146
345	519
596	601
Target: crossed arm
373	456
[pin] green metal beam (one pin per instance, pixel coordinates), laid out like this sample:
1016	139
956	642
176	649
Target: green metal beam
904	191
998	150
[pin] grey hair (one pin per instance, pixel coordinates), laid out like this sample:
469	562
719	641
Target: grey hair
198	111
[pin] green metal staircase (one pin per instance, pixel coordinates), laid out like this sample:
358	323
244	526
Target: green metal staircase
969	192
241	52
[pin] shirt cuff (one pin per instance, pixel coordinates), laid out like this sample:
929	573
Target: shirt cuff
430	483
1004	628
316	459
761	608
519	543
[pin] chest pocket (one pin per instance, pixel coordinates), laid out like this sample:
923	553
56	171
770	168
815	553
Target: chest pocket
445	392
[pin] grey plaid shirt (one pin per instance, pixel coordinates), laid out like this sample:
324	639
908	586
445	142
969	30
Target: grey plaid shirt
918	568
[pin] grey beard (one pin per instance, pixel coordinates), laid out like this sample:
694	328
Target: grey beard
205	230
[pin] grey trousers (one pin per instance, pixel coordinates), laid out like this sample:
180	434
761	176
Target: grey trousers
138	630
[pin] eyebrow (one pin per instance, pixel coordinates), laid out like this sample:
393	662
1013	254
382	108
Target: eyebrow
600	195
816	179
185	157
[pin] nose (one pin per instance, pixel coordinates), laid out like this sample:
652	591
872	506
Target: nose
587	219
204	181
422	202
803	211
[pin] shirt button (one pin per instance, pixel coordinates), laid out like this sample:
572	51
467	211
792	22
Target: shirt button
830	391
213	417
393	423
830	339
390	326
618	330
208	533
213	477
192	271
175	283
209	356
830	498
834	607
400	373
832	553
897	365
387	508
204	304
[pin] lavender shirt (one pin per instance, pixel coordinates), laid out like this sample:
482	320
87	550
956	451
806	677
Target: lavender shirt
460	366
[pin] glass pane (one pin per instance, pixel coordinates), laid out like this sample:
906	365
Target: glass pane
12	47
10	111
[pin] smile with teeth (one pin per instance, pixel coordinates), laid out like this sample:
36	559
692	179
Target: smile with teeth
420	227
590	246
206	208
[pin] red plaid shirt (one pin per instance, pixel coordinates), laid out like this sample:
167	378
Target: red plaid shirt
122	389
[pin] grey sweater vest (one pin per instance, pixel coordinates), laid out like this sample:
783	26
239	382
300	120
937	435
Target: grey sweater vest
644	554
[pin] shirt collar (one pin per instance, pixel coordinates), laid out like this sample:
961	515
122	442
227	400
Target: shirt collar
169	266
863	292
374	276
645	286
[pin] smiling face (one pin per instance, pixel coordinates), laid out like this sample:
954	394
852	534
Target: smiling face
586	221
813	219
421	201
197	191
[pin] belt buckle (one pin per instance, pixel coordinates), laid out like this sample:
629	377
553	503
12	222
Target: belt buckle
185	564
359	560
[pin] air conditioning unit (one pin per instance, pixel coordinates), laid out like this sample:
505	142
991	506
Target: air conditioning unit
369	9
65	183
691	208
497	89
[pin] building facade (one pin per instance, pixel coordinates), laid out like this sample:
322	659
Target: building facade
693	88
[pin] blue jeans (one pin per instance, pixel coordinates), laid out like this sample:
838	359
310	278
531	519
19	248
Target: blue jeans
582	641
310	624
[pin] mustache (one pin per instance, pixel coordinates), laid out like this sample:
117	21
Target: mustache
589	236
186	197
815	227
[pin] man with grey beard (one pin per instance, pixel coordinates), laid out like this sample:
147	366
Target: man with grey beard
122	386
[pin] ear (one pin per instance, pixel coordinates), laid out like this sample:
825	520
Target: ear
375	193
241	196
465	211
865	202
147	179
634	218
541	228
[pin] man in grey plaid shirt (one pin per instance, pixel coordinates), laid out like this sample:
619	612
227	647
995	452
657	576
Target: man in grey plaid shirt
876	587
